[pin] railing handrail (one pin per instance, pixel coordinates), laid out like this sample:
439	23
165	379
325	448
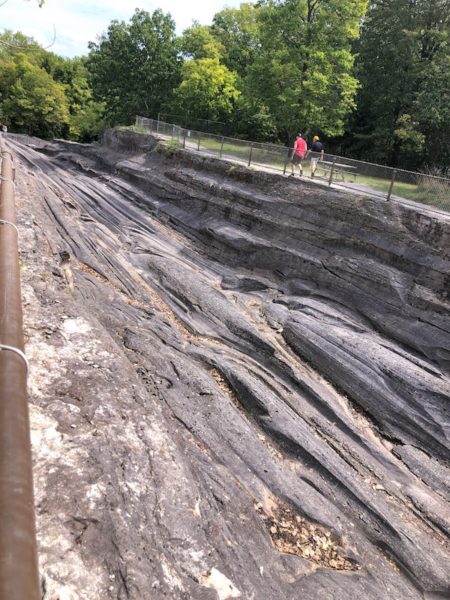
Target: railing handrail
19	577
283	149
375	180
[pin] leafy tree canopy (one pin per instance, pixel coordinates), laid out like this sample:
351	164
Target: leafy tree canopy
43	94
199	42
303	71
135	66
33	101
207	90
403	65
237	31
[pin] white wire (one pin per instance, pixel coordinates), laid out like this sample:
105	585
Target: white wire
3	222
8	179
17	351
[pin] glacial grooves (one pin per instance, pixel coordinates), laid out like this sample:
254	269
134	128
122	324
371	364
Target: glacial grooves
248	387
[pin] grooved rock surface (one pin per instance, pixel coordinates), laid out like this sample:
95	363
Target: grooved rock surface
240	382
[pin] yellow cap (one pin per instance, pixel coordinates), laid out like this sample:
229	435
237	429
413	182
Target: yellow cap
315	138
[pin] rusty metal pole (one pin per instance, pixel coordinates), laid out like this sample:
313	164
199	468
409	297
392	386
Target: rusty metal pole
391	185
332	170
19	577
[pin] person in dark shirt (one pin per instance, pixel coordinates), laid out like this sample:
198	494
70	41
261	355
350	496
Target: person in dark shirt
316	154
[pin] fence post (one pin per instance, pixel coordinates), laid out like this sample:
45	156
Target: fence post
391	185
184	138
199	137
286	162
332	170
221	147
250	156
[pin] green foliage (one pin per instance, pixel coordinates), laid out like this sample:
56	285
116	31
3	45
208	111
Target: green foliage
43	94
135	66
198	42
253	120
404	70
207	90
172	147
266	69
33	102
237	31
87	123
408	135
303	71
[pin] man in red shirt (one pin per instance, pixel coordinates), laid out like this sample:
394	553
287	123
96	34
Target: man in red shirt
298	154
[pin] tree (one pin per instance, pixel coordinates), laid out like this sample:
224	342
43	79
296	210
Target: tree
207	90
135	66
303	70
33	102
199	42
237	31
31	77
403	64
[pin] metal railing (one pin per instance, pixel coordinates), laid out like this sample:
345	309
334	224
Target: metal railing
19	579
189	122
365	178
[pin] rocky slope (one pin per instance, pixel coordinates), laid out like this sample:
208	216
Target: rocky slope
240	382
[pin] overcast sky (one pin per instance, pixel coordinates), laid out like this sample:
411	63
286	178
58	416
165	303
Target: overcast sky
79	21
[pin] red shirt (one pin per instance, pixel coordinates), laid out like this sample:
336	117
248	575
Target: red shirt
300	147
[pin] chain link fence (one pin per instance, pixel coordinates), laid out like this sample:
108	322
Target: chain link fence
363	177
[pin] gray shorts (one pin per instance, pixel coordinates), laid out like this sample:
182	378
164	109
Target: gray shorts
296	159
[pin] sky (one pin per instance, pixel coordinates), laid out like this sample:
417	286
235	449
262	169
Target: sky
77	22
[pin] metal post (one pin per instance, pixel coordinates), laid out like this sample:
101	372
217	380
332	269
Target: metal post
332	170
184	138
250	156
394	173
221	147
19	578
286	162
198	145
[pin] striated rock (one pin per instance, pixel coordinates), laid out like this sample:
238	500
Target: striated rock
246	394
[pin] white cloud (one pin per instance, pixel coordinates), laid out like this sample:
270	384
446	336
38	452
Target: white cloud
78	22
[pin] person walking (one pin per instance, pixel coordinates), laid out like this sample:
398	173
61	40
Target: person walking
316	154
298	154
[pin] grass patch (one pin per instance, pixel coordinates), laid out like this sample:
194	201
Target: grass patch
426	190
135	128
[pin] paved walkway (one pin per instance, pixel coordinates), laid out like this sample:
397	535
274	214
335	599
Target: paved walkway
354	188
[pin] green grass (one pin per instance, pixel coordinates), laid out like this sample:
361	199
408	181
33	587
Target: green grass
135	128
426	192
237	151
